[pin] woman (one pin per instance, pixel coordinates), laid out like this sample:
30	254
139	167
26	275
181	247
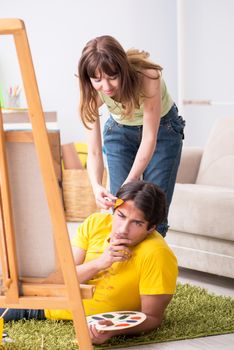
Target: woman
143	135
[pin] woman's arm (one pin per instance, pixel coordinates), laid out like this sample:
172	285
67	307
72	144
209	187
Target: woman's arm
151	121
95	164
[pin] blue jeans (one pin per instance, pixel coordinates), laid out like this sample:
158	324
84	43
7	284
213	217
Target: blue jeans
121	143
19	314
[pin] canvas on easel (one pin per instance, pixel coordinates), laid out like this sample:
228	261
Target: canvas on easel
26	230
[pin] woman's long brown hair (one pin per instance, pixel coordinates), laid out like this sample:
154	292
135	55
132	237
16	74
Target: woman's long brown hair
105	55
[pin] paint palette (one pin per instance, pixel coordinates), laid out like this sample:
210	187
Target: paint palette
110	321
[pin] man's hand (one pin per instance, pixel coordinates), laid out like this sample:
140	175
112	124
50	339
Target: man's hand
117	251
99	337
152	305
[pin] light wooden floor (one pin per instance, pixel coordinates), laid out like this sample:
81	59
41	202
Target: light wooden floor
214	284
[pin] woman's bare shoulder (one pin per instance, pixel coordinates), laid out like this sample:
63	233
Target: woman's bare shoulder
151	81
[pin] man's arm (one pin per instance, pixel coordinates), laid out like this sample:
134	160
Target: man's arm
115	252
153	306
86	271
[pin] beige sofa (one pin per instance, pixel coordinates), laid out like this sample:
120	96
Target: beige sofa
201	216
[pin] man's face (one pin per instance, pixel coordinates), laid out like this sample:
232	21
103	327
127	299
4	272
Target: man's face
129	223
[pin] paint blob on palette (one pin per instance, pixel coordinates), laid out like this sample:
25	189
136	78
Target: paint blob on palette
110	321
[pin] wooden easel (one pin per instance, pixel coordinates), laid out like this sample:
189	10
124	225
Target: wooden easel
31	293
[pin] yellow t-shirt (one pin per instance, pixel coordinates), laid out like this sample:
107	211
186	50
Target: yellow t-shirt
152	269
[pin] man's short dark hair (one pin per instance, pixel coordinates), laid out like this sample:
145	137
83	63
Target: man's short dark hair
147	197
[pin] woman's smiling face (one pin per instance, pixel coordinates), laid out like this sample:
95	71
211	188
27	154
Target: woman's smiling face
109	85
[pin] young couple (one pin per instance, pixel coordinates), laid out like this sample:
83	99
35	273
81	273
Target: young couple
122	254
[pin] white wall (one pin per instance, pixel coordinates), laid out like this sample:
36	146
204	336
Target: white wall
59	29
208	64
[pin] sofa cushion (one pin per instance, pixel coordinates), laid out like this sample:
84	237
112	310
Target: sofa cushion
217	162
203	253
203	210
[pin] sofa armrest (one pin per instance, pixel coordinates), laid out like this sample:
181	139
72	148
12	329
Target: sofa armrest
189	164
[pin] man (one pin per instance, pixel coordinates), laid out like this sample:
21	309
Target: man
130	263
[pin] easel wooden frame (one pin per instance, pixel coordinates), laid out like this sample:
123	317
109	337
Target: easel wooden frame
33	294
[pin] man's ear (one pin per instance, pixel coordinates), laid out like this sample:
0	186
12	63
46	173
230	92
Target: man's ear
151	229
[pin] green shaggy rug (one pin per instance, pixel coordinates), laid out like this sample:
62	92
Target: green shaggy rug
193	313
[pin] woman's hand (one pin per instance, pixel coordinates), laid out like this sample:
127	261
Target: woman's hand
104	199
